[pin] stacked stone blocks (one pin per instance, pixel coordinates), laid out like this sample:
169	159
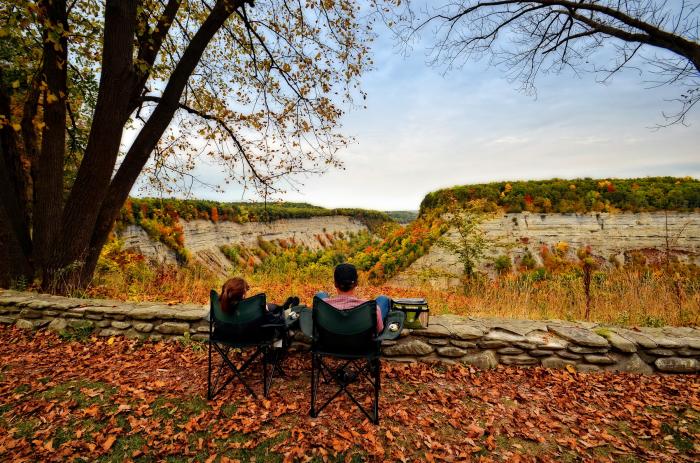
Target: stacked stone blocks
484	343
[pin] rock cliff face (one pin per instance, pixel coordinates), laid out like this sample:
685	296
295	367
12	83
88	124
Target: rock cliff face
609	235
203	238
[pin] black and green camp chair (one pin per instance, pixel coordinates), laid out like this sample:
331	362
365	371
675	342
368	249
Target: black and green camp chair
243	329
350	336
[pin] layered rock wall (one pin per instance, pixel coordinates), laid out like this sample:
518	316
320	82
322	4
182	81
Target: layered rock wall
203	238
484	343
611	236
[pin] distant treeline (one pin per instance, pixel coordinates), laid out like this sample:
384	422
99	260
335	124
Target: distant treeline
403	217
575	196
136	209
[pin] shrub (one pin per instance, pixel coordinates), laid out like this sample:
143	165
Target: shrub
528	261
503	264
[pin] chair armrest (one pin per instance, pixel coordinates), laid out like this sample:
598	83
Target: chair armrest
306	322
274	325
393	325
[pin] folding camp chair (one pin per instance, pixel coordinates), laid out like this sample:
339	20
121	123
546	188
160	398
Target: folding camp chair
243	329
351	336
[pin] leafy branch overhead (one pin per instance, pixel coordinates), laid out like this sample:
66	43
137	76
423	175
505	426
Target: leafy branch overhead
94	95
657	38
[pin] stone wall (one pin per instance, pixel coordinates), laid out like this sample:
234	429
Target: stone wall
615	236
485	343
203	238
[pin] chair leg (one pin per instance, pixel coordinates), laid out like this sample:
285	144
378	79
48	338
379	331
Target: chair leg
267	376
209	395
314	385
377	379
237	372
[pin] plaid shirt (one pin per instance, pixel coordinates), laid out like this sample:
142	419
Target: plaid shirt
350	302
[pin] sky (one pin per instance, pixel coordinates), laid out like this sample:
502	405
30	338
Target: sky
425	129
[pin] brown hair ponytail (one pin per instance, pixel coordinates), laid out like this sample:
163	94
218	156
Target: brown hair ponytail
232	292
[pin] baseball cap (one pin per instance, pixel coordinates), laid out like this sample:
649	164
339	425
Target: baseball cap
345	275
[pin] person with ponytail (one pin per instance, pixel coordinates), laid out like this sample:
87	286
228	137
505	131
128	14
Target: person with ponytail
234	291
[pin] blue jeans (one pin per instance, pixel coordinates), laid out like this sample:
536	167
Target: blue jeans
383	302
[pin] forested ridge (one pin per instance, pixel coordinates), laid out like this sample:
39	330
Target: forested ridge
579	195
137	209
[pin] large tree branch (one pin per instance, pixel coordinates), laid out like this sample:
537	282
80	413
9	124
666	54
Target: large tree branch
646	32
148	137
150	44
221	123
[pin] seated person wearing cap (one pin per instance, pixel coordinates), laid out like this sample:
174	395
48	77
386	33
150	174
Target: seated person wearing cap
345	276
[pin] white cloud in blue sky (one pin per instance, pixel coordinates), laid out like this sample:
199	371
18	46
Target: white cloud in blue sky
423	131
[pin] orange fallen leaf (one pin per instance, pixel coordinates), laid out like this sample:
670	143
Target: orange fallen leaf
108	443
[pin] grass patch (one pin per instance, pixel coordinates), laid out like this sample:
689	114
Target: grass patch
84	392
25	429
195	405
683	443
262	451
123	448
21	389
179	410
229	409
63	434
80	334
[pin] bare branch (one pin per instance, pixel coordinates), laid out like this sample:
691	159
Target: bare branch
530	37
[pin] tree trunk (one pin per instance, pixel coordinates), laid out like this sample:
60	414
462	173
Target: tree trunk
148	137
14	262
15	241
49	182
109	118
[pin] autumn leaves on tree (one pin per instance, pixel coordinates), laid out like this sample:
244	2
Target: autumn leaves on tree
83	115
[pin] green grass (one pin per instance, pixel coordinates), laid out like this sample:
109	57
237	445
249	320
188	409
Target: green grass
123	448
179	409
229	409
261	452
80	334
72	390
25	429
683	443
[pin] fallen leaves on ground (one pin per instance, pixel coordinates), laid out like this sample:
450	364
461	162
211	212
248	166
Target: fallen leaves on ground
126	400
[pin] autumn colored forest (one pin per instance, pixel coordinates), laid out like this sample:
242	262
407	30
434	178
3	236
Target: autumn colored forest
100	100
646	291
